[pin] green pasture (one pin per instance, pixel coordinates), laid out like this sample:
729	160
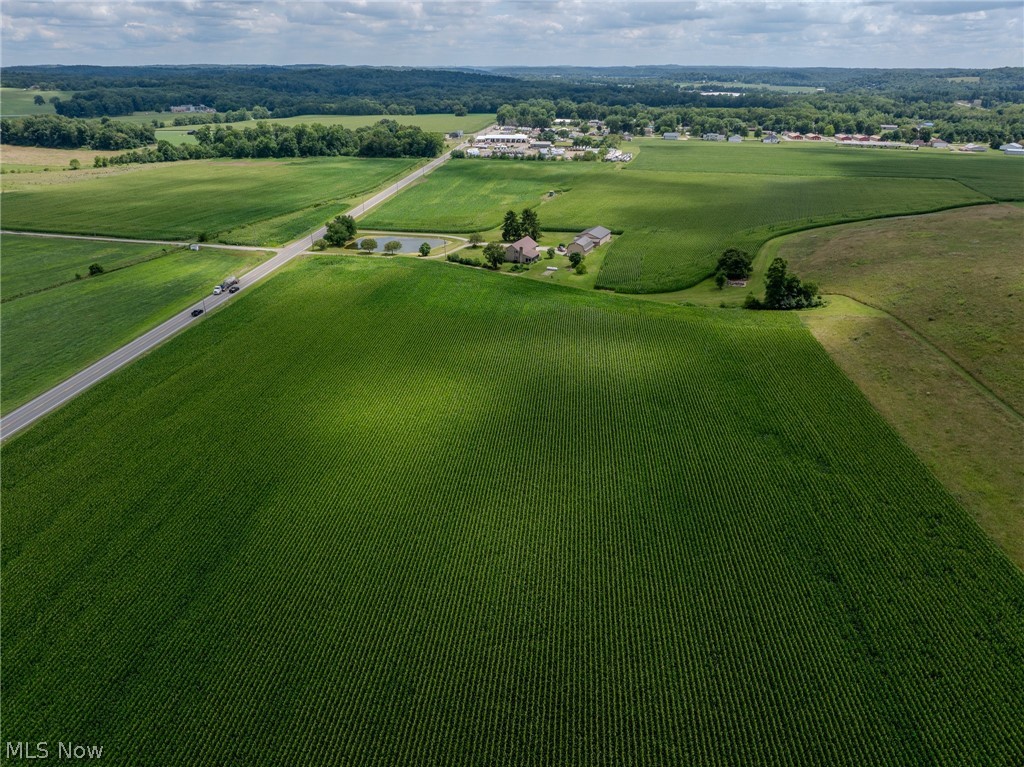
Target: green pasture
440	123
389	511
17	102
53	324
674	223
249	202
957	277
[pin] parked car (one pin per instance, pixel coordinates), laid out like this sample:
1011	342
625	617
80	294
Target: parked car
196	312
233	289
217	291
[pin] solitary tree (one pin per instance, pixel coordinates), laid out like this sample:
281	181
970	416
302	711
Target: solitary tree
529	224
392	246
425	249
475	239
38	100
320	244
494	254
511	229
575	259
74	164
95	269
368	244
551	253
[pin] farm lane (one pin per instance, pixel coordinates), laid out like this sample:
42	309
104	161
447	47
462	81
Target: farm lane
24	416
178	243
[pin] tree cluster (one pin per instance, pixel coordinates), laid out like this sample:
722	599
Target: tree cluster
516	227
733	264
340	230
784	291
56	132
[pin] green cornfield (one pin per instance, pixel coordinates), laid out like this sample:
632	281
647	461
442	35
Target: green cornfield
246	202
678	207
394	512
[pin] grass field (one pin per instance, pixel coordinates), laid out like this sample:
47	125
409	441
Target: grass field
390	512
440	123
674	222
17	102
955	277
248	202
33	158
54	325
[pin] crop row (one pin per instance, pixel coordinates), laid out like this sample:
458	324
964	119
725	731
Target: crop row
456	518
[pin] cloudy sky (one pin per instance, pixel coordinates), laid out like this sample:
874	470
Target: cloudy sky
838	33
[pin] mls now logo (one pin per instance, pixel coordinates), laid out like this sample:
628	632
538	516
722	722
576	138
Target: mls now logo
42	750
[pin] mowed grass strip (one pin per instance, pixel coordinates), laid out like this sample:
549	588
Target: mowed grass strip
181	201
674	224
54	325
395	512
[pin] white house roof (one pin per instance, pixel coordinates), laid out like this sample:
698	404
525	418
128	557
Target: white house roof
503	137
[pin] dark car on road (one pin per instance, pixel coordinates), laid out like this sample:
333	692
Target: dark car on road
233	289
196	312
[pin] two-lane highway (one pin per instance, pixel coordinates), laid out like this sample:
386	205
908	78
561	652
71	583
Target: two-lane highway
29	413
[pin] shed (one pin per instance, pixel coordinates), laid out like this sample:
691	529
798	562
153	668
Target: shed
670	136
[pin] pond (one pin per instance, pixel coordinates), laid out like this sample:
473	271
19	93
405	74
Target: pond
409	244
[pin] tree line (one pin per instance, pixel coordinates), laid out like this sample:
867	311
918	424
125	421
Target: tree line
56	132
288	91
384	139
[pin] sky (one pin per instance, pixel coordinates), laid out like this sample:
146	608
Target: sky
787	33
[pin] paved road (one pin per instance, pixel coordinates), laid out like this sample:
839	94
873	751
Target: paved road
32	411
177	243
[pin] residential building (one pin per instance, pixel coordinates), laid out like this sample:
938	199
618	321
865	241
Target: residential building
712	137
770	139
735	139
522	251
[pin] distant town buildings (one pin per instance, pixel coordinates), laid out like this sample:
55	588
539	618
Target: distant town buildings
193	108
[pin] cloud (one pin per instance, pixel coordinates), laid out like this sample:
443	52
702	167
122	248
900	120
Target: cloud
874	33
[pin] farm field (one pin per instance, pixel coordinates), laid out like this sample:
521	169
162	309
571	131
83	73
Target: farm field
246	202
440	123
951	286
992	174
55	325
460	518
40	158
674	224
16	102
